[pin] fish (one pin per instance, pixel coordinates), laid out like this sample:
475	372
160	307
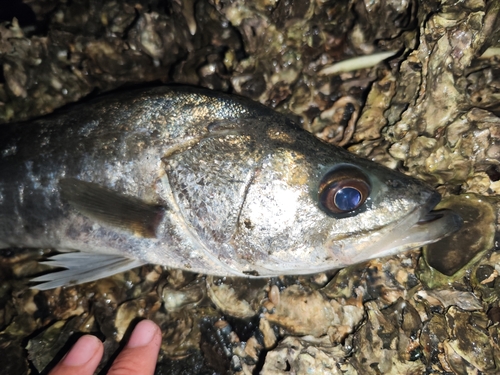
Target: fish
202	181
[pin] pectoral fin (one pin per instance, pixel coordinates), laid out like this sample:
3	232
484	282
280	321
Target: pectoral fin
83	268
112	208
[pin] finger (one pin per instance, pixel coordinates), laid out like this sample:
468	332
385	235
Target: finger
141	352
82	359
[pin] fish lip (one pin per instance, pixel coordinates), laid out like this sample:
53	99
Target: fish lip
431	225
430	216
443	214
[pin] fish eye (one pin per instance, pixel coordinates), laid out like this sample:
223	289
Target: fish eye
343	190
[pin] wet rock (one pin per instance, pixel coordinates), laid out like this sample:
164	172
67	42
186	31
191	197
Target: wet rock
381	347
306	355
177	297
47	348
236	296
470	340
307	312
446	298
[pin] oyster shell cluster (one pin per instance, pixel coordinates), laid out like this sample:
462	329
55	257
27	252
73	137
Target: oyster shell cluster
429	109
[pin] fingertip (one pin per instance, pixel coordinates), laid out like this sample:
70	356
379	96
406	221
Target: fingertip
83	351
83	358
144	333
141	352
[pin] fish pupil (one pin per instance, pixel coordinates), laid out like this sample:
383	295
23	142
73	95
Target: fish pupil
348	198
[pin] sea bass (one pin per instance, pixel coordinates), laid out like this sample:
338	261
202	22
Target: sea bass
203	181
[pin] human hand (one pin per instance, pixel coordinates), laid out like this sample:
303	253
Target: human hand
137	358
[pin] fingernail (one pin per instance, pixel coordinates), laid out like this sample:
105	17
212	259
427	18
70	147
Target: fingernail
143	333
82	352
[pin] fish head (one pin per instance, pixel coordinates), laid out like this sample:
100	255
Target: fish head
266	198
312	207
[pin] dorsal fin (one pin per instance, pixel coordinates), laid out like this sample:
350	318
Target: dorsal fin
112	208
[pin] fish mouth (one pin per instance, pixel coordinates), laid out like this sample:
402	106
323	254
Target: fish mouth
435	225
421	227
432	225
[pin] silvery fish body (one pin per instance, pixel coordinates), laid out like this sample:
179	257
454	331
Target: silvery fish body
202	181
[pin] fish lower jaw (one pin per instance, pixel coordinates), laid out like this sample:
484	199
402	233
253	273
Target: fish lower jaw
430	227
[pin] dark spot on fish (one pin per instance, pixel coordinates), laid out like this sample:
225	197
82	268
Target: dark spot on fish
72	232
233	181
248	224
